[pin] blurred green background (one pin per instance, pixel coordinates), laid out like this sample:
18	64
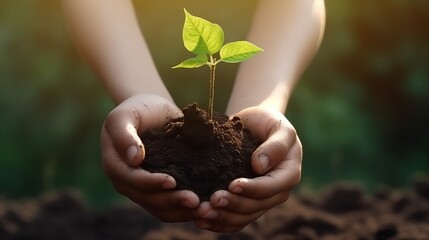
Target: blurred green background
361	109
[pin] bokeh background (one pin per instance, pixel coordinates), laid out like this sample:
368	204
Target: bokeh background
361	109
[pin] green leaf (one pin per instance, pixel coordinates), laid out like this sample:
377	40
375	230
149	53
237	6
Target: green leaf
201	36
195	62
239	51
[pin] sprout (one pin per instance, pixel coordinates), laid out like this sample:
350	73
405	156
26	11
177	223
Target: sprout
206	39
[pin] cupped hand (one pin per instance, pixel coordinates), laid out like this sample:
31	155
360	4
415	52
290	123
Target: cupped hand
123	152
278	160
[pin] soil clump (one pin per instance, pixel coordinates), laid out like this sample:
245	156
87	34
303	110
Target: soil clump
203	155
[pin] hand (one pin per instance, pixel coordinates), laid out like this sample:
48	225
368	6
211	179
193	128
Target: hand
278	160
123	152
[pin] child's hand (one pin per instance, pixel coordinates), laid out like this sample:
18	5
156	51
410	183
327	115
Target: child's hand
123	152
278	159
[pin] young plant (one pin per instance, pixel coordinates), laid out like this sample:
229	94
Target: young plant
206	39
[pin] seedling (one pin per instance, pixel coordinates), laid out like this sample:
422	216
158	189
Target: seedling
206	40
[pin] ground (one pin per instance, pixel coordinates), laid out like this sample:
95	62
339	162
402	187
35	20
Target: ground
343	211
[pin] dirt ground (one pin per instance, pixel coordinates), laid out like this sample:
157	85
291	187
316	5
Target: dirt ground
343	211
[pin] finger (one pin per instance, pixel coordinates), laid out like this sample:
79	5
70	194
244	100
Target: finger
176	200
275	149
227	222
175	206
144	181
118	171
134	116
260	121
247	210
125	139
173	210
166	200
284	177
230	202
275	130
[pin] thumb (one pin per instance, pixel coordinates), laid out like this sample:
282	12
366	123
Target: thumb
274	150
133	117
276	132
121	129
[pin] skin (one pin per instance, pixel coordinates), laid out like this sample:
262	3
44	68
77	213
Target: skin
260	96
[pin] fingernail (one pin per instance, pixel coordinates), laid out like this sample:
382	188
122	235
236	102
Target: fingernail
205	225
187	204
168	185
211	214
237	189
223	202
131	153
264	161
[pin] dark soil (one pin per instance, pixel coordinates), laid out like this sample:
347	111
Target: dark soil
343	211
203	155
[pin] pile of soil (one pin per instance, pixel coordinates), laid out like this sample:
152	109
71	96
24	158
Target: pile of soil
203	155
343	211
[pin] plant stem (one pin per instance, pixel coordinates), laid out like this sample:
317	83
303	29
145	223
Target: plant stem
212	66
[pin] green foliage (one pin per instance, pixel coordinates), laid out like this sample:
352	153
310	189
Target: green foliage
198	61
201	36
206	39
239	51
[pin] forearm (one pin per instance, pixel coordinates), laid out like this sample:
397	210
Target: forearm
290	32
108	36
